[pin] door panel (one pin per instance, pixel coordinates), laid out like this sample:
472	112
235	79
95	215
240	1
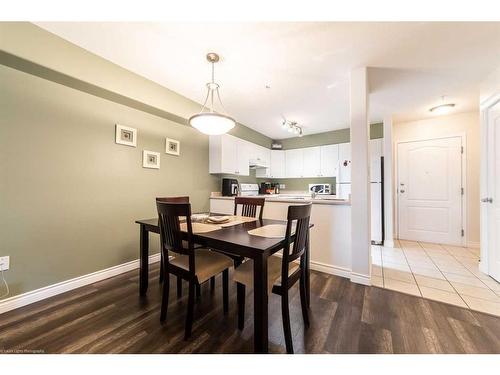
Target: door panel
493	187
429	191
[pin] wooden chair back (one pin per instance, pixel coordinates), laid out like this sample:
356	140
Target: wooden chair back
298	218
171	238
249	206
173	199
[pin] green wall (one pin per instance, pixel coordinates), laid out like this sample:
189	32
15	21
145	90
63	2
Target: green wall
328	138
69	195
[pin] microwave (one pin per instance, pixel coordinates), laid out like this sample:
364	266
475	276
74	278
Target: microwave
325	189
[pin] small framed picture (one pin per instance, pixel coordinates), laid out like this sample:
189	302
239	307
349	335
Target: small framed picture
126	136
172	147
151	159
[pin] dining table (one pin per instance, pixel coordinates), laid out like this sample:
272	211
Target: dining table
236	241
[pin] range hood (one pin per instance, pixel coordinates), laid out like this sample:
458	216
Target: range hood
258	164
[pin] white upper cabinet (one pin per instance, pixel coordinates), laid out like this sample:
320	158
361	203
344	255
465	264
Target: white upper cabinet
259	154
329	160
294	163
311	162
228	154
344	173
277	169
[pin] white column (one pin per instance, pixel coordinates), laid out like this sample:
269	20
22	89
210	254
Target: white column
388	183
360	178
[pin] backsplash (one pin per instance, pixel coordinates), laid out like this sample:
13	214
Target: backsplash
291	184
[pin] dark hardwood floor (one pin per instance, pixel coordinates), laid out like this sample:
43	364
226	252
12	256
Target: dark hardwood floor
109	317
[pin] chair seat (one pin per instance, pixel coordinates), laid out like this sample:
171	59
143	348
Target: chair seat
244	273
207	263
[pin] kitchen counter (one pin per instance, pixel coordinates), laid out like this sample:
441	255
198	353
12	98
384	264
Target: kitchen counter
330	236
295	199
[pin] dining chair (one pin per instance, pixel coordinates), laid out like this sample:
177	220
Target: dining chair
249	206
283	272
172	200
194	265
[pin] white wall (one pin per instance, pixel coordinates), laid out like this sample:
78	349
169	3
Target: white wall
449	125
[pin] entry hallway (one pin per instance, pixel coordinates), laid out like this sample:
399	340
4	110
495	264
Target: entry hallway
109	317
439	272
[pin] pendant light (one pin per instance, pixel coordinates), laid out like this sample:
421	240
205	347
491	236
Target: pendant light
208	121
442	108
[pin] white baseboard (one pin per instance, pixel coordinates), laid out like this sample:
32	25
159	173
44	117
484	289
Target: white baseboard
388	243
360	279
473	244
65	286
331	270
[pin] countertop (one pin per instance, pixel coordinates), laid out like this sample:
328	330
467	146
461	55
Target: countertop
284	198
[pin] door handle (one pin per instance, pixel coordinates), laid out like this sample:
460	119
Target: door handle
402	191
487	200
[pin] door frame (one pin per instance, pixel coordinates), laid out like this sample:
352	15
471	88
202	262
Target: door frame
485	106
463	170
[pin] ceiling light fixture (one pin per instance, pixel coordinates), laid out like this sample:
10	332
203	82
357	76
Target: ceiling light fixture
291	126
442	108
208	121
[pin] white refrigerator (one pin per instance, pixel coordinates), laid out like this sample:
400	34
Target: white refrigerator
343	184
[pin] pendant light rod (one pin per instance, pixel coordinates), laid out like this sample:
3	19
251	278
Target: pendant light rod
208	121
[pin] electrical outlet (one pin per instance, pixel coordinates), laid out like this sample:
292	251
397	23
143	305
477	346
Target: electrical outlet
282	186
5	263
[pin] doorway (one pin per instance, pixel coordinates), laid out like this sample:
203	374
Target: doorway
430	190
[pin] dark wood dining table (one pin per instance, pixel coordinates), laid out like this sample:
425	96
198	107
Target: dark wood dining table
234	240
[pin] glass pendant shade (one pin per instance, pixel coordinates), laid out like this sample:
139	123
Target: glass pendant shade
212	123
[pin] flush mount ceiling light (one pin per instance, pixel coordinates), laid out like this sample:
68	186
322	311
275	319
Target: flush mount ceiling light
208	121
292	127
442	108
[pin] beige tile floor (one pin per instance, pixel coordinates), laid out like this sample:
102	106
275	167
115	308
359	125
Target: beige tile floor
443	273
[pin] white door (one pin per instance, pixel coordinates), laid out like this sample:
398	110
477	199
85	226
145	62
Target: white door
329	160
493	187
294	163
312	162
430	191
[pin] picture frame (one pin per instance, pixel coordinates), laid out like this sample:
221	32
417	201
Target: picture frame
150	159
172	147
125	135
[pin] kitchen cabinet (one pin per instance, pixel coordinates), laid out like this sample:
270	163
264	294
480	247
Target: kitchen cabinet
329	160
311	166
294	163
229	155
277	164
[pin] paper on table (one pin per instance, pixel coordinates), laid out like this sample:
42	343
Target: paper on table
200	227
269	231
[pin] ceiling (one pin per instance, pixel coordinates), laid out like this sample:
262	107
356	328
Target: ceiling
306	65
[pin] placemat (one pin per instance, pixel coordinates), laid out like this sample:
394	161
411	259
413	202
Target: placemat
269	231
200	227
